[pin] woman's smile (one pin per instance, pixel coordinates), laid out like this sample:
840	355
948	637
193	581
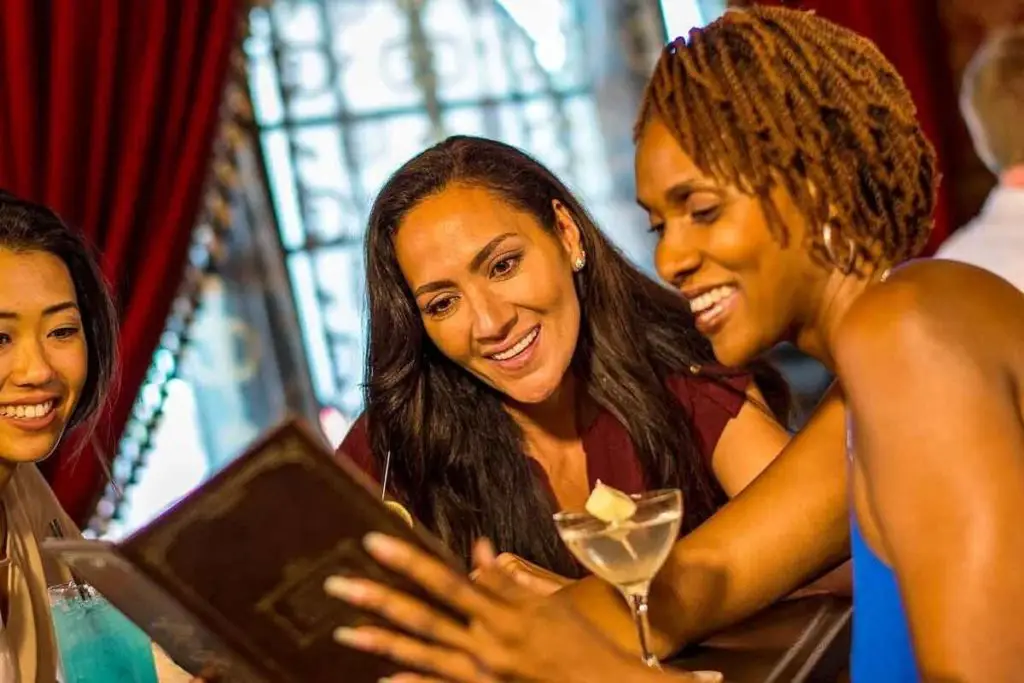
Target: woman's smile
517	355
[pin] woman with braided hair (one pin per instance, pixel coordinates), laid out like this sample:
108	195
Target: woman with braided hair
783	168
787	178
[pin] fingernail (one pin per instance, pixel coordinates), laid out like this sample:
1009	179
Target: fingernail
380	545
709	676
353	638
349	636
340	587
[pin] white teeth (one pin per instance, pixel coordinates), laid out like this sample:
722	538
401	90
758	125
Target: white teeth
21	412
518	348
708	299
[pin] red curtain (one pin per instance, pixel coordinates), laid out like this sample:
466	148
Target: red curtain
108	110
910	34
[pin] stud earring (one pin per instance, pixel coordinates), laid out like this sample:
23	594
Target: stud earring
580	261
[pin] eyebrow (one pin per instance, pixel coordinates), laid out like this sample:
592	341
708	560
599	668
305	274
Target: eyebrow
49	310
680	192
474	266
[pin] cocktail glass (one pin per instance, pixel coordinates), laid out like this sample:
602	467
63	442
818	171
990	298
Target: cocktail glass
97	643
629	553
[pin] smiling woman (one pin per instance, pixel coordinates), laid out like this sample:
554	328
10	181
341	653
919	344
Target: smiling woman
516	358
57	359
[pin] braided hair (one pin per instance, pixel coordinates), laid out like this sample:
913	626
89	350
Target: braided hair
769	95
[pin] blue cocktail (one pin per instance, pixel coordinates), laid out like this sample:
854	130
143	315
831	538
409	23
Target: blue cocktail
97	643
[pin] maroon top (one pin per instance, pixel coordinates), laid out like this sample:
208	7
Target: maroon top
610	454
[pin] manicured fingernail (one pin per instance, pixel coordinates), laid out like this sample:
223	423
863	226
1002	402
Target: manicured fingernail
350	636
340	587
380	545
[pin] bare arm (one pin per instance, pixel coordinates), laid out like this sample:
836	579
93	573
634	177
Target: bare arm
790	525
939	440
748	444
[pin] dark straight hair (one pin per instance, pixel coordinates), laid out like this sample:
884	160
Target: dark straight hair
457	456
29	227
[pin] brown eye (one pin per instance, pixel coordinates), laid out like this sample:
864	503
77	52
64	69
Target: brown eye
706	215
440	306
65	332
506	266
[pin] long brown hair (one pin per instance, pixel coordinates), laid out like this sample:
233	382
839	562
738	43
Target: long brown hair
457	457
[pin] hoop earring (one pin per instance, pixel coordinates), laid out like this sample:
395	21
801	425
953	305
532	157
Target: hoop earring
580	261
844	264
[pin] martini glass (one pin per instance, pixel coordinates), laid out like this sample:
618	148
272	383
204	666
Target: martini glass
629	553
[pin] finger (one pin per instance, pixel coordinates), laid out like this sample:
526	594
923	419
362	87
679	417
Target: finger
483	553
538	584
438	579
399	609
450	664
504	585
509	562
707	677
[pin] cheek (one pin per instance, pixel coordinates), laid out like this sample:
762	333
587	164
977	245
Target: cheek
741	242
450	336
72	364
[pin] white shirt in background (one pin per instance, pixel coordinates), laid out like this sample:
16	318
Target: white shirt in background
995	239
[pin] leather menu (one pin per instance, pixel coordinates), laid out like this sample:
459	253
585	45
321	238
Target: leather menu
230	579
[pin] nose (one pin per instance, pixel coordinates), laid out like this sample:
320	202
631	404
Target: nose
31	366
494	317
678	254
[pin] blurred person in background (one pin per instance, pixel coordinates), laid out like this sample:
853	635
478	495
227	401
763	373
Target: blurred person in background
992	103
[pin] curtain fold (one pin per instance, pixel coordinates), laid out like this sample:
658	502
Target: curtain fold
108	110
911	35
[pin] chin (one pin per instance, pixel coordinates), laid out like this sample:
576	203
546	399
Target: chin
529	391
27	449
735	352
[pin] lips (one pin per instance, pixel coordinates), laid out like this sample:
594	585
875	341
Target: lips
23	411
524	343
711	307
29	416
517	357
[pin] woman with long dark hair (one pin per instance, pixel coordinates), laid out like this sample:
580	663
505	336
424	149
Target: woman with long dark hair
516	357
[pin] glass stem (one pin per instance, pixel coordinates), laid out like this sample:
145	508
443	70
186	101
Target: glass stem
638	603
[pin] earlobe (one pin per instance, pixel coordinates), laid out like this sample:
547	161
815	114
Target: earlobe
568	230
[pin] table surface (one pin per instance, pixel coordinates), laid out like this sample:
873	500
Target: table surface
795	641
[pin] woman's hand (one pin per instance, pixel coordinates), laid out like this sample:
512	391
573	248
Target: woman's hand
536	579
511	634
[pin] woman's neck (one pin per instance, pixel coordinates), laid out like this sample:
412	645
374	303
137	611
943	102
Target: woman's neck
1013	177
552	420
6	472
816	333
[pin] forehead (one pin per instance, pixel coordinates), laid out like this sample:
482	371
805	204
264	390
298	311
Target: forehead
445	231
33	280
661	163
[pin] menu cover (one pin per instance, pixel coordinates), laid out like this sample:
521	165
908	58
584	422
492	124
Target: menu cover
230	579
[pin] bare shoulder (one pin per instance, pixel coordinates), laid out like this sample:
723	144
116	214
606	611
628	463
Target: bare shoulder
930	311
